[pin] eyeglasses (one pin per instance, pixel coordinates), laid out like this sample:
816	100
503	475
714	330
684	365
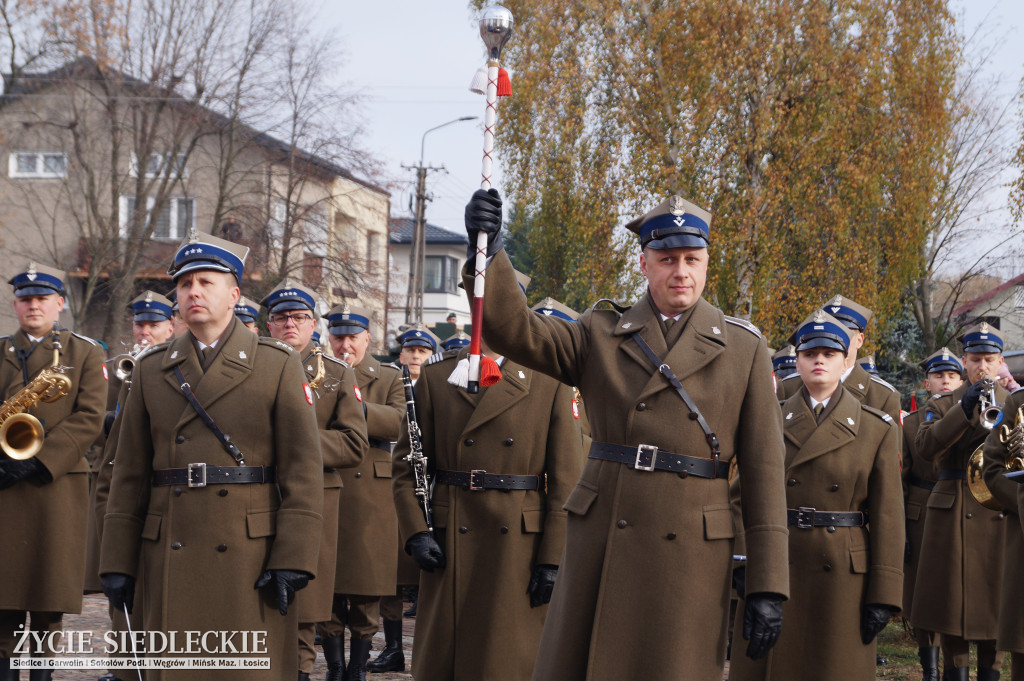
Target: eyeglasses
297	319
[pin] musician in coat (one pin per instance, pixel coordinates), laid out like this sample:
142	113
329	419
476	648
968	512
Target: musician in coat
219	515
842	469
44	498
959	576
643	591
943	374
343	444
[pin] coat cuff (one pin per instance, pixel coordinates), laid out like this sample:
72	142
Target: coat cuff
292	549
552	543
885	586
120	545
767	559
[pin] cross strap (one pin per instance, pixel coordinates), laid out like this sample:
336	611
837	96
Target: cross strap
225	439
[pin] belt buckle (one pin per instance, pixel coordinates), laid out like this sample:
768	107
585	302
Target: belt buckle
474	486
640	450
201	467
805	517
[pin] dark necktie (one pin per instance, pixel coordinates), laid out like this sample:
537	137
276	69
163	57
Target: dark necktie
818	408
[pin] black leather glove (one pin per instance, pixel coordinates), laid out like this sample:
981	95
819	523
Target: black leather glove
120	590
286	583
542	581
13	471
873	618
425	550
739	580
483	214
969	402
762	623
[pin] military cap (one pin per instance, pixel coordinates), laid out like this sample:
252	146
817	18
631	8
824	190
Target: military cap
37	280
459	340
247	310
418	335
207	252
941	360
287	296
316	337
848	312
868	364
549	307
674	223
784	359
982	338
150	306
821	330
346	320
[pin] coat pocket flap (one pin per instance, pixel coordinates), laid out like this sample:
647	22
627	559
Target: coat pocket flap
382	469
913	510
262	524
533	520
718	522
580	499
151	528
859	560
941	500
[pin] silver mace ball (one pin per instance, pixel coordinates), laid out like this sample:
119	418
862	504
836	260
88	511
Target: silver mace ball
495	29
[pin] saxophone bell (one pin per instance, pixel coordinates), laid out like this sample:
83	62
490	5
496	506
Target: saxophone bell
21	436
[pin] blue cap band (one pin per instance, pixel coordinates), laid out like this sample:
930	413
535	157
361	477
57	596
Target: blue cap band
289	299
415	337
204	256
246	313
347	324
983	342
787	362
151	311
821	334
847	315
455	343
675	231
943	364
36	284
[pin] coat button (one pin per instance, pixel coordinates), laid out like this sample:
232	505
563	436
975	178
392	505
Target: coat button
791	482
641	406
463	530
831	529
827	567
508	442
622	524
222	493
177	491
835	488
970	515
468	442
670	536
222	548
179	439
358	474
176	545
504	529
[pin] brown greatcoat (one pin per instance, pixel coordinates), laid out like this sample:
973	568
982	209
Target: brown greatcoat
43	530
959	575
474	619
343	444
1005	492
919	478
644	588
870	390
98	486
366	552
846	463
201	549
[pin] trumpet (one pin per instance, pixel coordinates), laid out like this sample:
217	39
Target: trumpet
991	411
124	364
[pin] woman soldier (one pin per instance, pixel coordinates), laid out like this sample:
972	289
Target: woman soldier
846	525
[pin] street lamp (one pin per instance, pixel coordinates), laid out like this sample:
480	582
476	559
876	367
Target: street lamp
417	252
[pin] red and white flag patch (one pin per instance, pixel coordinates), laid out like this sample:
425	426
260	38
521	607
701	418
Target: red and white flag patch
575	409
359	395
309	393
106	376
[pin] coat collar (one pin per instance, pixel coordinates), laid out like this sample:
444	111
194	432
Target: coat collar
513	387
367	371
858	382
19	340
812	439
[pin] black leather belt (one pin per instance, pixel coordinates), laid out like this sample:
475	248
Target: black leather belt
650	458
920	482
959	474
376	443
477	480
201	475
806	518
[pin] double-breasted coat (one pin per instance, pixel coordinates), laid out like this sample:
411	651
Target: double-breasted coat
43	533
201	549
644	588
846	463
870	390
919	478
366	550
343	445
959	575
474	619
1006	492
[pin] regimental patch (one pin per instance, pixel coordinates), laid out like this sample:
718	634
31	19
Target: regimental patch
359	395
106	376
575	409
309	393
929	416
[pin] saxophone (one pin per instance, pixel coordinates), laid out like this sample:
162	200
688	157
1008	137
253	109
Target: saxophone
21	433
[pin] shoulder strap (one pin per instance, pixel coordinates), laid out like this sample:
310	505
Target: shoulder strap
695	414
225	439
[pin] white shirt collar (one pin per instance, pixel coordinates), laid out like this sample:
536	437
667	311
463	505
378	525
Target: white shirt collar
842	379
823	403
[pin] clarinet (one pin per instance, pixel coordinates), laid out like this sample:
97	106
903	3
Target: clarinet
416	458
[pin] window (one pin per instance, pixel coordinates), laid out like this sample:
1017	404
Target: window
440	274
312	269
372	248
1018	298
173	222
37	164
159	165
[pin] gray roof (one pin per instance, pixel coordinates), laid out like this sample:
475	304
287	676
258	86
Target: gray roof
401	233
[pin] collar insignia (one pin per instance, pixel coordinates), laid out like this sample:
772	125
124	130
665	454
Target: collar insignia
627	325
716	330
849	420
789	416
522	375
174	354
241	354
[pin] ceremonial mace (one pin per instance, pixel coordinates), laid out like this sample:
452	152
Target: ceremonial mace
495	29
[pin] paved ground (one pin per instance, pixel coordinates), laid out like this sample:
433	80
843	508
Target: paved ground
94	619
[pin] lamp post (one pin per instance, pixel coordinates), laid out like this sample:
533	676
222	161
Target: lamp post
417	252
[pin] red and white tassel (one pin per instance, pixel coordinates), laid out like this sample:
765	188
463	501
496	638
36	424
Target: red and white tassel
478	85
490	373
504	84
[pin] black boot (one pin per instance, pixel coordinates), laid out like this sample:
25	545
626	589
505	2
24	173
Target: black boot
334	653
358	654
988	674
40	675
392	658
6	673
955	674
414	596
929	663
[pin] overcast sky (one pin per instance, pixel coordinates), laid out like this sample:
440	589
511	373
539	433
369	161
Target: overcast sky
413	62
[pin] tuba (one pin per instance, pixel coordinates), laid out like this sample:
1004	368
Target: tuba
21	433
1013	438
